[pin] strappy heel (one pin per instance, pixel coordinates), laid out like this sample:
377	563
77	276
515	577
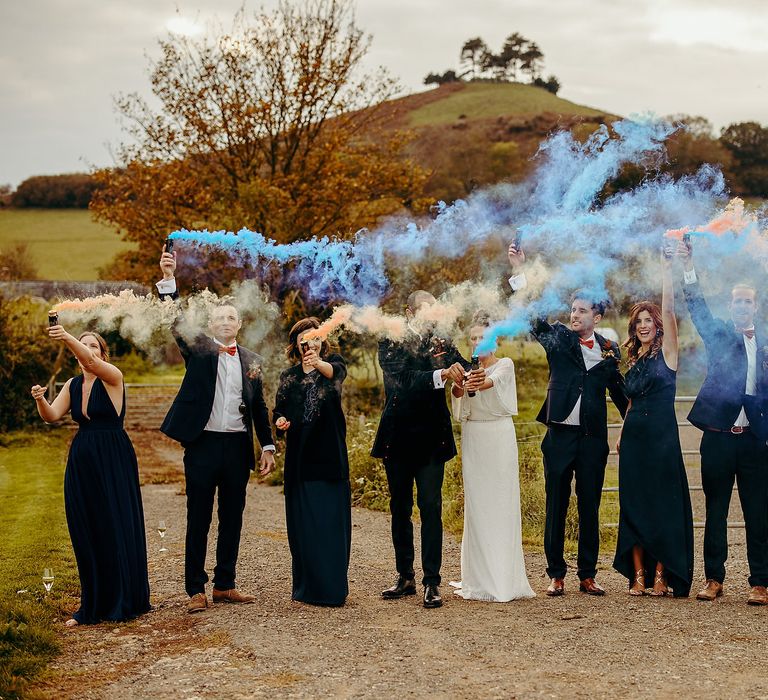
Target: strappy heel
659	579
639	581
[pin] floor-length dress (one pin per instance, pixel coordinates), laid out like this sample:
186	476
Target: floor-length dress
317	493
492	562
653	488
104	511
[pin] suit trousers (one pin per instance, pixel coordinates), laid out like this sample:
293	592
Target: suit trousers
214	460
428	478
568	452
726	457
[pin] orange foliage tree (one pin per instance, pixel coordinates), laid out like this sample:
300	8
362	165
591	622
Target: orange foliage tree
269	126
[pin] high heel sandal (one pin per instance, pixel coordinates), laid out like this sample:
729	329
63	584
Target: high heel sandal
639	581
659	579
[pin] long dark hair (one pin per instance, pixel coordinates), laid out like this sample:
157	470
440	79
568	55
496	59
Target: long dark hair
292	351
632	343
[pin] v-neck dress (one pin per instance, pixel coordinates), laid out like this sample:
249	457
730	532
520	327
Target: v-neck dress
104	511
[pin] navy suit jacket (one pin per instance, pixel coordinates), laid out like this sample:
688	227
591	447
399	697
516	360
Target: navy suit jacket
723	393
569	379
415	426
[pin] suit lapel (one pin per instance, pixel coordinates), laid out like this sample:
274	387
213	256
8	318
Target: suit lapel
576	353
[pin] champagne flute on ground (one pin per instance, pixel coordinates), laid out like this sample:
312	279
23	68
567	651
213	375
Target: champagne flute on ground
161	528
48	579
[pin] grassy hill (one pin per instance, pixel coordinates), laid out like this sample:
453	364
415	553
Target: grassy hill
469	101
65	244
468	135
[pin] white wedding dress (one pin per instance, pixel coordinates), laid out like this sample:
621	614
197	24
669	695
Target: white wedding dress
492	563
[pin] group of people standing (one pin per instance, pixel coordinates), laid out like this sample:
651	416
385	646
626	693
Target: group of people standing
220	406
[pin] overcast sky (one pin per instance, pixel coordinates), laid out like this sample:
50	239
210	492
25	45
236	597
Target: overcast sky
62	60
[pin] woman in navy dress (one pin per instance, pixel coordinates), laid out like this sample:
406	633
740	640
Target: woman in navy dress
317	494
655	544
101	486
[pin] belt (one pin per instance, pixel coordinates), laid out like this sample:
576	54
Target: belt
733	430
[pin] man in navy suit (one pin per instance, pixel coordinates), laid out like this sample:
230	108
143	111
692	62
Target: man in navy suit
730	409
582	365
219	404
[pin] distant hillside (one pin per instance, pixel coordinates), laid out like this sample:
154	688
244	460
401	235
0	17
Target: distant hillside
473	134
469	101
63	244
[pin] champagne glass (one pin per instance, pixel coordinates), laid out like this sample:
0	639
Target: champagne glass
161	528
48	579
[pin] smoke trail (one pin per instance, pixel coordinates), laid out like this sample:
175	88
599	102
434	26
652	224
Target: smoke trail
145	320
590	274
555	204
443	317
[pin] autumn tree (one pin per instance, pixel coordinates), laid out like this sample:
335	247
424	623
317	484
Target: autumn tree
270	125
748	144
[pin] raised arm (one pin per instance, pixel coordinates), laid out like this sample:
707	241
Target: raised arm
51	412
669	342
706	324
88	358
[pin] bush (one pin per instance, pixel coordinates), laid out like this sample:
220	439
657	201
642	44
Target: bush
72	191
27	357
16	263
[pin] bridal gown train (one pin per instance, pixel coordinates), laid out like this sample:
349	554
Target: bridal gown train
492	562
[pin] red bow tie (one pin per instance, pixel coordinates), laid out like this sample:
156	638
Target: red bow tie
231	351
589	343
749	333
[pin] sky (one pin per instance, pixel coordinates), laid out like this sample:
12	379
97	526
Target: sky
62	61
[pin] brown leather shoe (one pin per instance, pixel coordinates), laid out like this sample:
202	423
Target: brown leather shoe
712	589
588	585
197	603
556	587
232	596
758	596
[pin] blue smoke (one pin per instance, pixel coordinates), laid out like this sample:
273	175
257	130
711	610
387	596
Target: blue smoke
558	210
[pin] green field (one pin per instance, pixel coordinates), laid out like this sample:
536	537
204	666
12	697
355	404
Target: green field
65	244
483	100
34	537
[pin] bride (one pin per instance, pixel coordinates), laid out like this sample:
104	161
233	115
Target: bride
492	564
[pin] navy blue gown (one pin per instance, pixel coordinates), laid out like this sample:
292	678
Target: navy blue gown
104	511
653	488
317	493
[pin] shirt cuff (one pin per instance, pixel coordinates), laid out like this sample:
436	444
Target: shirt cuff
518	282
166	286
268	448
689	276
437	379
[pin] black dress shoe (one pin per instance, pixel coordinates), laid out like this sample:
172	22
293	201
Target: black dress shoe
432	597
403	586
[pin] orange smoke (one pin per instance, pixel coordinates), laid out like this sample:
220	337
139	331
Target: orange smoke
733	219
340	317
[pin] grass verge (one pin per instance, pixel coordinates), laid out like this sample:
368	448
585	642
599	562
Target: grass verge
34	537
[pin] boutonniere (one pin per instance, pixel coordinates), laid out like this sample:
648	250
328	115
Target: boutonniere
254	371
608	352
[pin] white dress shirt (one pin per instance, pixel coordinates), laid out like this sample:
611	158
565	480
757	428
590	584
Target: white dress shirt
592	356
750	345
225	414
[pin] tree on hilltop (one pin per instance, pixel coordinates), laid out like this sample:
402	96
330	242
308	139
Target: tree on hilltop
472	55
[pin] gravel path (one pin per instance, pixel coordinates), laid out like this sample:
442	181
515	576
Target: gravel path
576	646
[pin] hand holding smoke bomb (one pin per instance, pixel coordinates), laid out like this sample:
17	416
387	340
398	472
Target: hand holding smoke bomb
474	366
